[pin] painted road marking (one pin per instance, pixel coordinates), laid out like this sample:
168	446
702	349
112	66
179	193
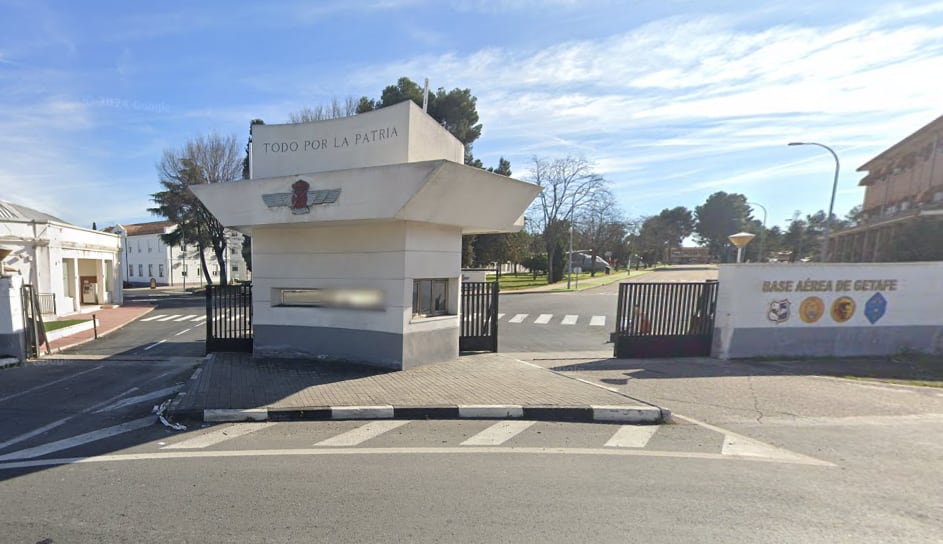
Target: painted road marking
500	316
152	318
519	318
499	433
569	320
60	422
632	436
168	317
219	435
184	331
598	321
311	452
155	345
75	441
737	445
54	382
543	319
363	433
160	393
187	317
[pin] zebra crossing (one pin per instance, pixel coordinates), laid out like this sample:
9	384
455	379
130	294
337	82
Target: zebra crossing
684	439
459	435
194	318
551	319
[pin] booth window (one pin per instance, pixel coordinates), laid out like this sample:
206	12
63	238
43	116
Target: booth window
430	297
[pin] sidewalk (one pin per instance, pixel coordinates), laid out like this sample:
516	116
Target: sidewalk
238	387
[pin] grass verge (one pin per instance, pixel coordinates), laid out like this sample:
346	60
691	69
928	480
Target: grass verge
56	325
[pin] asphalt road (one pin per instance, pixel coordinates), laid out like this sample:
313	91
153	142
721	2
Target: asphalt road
176	328
757	452
576	321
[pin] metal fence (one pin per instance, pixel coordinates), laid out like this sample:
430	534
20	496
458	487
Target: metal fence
479	319
229	318
665	319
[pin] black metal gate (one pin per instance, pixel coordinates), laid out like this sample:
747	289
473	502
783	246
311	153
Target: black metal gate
479	319
665	319
229	318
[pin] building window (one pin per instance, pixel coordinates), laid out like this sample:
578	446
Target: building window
150	269
141	270
160	270
430	297
235	268
216	271
130	270
139	246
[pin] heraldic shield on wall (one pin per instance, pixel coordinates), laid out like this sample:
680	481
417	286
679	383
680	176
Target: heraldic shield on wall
300	199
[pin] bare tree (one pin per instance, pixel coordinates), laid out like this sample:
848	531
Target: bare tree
210	159
334	110
568	186
601	225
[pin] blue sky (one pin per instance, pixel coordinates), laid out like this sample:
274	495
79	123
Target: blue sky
671	99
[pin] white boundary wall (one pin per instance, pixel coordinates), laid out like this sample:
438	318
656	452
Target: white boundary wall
819	309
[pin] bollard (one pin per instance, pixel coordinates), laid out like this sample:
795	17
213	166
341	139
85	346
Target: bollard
95	325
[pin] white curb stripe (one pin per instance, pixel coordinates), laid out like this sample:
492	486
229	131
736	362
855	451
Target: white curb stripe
363	433
632	436
490	411
361	412
628	415
543	319
499	433
219	435
225	415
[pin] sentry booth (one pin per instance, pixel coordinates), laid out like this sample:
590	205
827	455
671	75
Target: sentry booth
356	227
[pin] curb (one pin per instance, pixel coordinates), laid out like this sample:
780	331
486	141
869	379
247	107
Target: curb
625	414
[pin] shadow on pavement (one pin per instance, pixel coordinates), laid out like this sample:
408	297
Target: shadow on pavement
910	369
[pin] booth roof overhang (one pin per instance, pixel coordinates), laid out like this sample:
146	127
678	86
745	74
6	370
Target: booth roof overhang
440	192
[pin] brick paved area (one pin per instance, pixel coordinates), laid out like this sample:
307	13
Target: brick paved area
237	381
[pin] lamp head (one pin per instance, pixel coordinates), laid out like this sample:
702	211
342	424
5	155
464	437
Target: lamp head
796	143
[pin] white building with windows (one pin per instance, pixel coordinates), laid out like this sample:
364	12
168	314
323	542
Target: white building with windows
71	268
147	257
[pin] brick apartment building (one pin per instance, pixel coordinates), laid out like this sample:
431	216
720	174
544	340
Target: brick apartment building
903	184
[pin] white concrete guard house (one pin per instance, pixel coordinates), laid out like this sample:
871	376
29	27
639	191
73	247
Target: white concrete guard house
356	228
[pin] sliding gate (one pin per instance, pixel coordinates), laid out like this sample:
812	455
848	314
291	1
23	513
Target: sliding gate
665	319
229	318
479	319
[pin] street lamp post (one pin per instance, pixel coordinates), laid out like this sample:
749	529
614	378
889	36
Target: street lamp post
763	239
831	203
569	256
